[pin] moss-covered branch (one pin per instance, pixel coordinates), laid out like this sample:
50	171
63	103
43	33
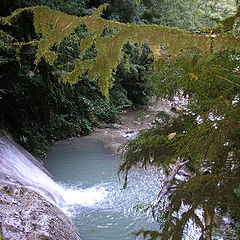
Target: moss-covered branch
53	26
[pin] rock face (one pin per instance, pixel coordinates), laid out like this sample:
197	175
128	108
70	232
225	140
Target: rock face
24	213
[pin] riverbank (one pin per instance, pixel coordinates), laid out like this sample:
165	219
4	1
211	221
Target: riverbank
115	135
131	122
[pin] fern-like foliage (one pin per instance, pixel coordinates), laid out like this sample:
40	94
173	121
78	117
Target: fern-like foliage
206	134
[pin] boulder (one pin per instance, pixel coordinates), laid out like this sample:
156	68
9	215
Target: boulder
26	215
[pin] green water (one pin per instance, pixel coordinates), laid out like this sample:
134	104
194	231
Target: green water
96	202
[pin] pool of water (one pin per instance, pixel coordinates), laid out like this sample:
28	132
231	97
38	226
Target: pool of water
95	200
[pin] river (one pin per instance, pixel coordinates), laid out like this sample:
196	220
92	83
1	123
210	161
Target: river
96	202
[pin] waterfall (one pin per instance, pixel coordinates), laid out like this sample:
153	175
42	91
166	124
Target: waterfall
17	166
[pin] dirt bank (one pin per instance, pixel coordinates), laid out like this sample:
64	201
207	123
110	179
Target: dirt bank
131	122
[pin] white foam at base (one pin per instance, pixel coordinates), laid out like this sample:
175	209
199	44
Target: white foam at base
85	197
16	167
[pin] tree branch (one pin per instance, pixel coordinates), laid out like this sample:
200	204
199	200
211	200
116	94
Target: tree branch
170	177
229	81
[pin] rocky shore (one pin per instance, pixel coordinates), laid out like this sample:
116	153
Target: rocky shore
132	121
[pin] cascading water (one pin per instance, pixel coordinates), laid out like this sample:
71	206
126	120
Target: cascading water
88	188
16	167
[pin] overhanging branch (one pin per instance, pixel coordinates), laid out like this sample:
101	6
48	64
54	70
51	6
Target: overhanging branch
167	183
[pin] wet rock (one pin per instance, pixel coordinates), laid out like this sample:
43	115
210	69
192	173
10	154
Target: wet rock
25	215
175	108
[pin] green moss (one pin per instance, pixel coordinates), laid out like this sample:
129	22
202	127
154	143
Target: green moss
53	26
80	69
42	20
86	43
225	41
7	20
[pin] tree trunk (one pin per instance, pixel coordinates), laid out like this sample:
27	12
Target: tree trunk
209	213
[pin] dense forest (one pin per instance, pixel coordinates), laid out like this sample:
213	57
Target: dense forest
60	78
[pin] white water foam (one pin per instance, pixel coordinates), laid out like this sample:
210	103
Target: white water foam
15	167
85	197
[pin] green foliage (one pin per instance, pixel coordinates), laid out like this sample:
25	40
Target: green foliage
56	110
200	192
109	111
152	235
73	7
206	134
181	14
5	52
189	15
53	26
202	66
106	112
152	147
127	11
8	7
132	72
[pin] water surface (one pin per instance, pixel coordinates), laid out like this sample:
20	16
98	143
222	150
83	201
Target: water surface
96	202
